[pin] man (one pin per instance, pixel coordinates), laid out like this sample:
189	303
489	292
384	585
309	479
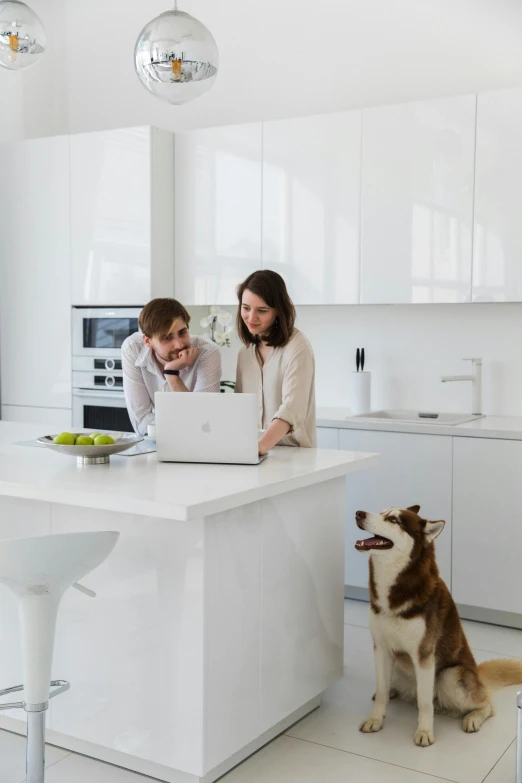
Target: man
164	357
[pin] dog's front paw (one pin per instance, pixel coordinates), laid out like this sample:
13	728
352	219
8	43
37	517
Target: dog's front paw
371	724
424	738
473	721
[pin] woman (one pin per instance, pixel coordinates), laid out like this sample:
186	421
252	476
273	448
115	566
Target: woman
277	362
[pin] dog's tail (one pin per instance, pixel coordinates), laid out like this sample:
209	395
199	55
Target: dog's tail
501	672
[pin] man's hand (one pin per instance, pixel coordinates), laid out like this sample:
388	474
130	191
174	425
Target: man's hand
186	358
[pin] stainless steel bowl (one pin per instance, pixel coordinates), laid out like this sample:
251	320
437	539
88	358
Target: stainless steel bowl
93	455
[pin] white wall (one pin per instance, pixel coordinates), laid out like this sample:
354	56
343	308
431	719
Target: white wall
45	89
34	102
408	348
277	59
11	98
293	57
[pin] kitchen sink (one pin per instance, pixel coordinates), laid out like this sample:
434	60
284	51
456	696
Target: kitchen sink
419	417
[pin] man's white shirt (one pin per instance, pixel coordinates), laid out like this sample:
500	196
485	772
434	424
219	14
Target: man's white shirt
142	376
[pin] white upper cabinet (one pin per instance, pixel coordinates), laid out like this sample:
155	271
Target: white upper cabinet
218	212
311	201
35	303
497	247
417	202
122	216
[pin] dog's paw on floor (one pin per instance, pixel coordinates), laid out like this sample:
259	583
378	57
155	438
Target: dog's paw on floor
474	720
424	738
371	724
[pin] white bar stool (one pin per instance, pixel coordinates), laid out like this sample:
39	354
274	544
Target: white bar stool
39	571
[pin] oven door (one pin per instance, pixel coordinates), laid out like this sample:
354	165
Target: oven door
100	410
100	331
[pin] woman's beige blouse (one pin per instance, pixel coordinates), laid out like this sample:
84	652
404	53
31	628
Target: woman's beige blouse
285	386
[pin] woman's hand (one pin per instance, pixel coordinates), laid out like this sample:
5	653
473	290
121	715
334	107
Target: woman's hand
277	430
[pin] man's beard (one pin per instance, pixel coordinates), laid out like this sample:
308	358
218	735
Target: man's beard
172	355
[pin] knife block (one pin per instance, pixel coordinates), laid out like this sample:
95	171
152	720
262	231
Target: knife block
360	392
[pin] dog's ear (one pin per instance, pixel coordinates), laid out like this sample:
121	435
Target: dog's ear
433	529
415	509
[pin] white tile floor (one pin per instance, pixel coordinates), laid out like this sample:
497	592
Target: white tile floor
326	747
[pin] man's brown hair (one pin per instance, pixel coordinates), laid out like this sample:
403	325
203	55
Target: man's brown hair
158	315
272	289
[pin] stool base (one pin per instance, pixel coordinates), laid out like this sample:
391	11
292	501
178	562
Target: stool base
35	747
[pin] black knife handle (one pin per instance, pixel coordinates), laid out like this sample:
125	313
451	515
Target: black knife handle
362	359
358	359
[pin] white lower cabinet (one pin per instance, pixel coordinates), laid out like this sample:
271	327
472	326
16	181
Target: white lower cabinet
56	418
327	438
412	469
487	530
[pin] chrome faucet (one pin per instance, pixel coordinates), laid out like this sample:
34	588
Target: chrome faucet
476	384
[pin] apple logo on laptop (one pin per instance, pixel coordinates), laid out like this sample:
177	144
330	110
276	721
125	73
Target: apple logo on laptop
205	427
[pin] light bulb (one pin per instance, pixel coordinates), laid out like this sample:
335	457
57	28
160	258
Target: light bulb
176	57
22	36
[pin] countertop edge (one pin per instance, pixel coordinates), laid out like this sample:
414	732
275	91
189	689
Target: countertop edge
185	513
460	430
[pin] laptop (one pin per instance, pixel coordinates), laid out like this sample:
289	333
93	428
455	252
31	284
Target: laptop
200	427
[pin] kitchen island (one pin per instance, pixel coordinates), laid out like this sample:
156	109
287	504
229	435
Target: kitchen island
219	616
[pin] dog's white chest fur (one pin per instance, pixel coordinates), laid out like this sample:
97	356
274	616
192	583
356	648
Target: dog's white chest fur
397	634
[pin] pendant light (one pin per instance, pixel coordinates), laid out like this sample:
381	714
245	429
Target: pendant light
22	36
176	57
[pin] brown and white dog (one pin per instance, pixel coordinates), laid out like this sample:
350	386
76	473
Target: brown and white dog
421	652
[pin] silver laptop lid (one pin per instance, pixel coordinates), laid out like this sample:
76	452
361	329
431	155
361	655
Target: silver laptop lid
200	427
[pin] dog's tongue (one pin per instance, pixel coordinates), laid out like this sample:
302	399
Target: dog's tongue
376	542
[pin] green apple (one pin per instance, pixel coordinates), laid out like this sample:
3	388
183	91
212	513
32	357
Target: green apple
65	439
103	440
84	440
95	435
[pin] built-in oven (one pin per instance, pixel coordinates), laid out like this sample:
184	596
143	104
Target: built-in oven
97	378
100	331
100	410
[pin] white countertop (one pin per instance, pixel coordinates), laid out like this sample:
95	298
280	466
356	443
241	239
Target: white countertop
501	427
142	485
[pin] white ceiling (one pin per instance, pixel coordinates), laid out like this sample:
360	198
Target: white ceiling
280	57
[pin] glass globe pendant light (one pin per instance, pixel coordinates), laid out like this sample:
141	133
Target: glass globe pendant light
22	36
176	57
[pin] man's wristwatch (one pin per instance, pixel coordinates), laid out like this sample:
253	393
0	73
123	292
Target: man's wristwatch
170	372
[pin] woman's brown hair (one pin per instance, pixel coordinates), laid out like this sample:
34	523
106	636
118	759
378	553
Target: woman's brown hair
272	289
158	315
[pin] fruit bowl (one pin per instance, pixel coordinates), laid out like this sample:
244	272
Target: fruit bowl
93	455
